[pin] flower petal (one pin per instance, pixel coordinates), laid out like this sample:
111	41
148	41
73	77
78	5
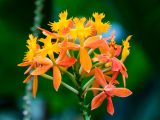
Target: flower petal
108	79
116	65
24	64
35	85
29	68
100	77
27	79
91	73
118	50
93	42
110	107
44	65
104	48
46	32
98	100
121	92
103	58
85	60
123	70
56	77
72	46
125	51
66	62
95	85
114	77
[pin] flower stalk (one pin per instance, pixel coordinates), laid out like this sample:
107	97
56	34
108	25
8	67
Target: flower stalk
92	63
63	83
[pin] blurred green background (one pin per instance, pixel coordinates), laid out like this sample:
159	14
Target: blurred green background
140	18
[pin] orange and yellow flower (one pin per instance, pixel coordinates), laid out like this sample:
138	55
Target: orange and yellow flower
75	48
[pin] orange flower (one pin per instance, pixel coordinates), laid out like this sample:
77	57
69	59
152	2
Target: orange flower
109	52
79	40
62	61
109	90
91	42
37	66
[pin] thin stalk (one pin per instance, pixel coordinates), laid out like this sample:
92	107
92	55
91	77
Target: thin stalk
80	70
63	83
90	51
97	64
83	107
70	88
88	83
71	76
89	89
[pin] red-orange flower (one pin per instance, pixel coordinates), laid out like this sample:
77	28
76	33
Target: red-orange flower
109	90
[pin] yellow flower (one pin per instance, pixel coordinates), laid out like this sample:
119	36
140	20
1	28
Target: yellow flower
62	24
100	27
32	46
125	51
49	48
80	30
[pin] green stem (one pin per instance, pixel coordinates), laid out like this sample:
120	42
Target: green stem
83	107
97	64
90	51
89	89
88	83
70	88
63	83
71	76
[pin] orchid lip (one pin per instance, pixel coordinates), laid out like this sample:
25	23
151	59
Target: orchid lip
108	88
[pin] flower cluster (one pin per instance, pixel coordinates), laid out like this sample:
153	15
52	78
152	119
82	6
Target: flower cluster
77	44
